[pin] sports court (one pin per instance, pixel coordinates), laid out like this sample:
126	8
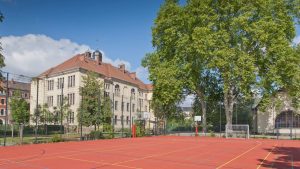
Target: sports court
172	152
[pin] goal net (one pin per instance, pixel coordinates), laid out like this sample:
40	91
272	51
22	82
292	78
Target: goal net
237	131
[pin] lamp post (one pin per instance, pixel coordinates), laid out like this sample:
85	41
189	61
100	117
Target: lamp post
122	109
37	108
220	103
81	113
236	113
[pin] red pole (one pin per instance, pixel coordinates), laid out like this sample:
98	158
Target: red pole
196	134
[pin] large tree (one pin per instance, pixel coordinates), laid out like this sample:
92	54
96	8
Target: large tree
94	110
235	46
1	56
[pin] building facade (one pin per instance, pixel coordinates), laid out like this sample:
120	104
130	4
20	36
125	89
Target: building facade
13	86
280	117
128	94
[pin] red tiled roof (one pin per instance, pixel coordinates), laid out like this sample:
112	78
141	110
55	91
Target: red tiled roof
106	69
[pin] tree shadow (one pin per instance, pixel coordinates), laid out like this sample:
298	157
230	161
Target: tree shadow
285	158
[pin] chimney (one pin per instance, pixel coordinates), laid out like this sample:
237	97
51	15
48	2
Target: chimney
87	54
98	56
122	67
133	75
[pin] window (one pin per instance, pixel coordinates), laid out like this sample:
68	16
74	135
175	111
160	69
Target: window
116	119
116	105
106	94
50	101
287	119
140	103
133	107
132	93
146	108
71	117
117	90
2	112
2	101
127	120
71	98
107	86
127	107
60	83
71	81
59	100
146	96
50	84
26	95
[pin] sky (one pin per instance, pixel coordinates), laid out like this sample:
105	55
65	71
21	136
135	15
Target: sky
39	34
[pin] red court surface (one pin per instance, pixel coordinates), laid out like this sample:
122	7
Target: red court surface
168	152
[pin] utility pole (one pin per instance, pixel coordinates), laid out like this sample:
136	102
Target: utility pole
122	109
37	108
81	113
236	113
130	114
61	107
220	118
6	109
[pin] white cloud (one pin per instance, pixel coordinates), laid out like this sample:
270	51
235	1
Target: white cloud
296	40
32	54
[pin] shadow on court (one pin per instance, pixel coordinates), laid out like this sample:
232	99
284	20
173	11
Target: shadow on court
282	158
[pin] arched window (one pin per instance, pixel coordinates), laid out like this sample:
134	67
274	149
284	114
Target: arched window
117	90
132	93
287	119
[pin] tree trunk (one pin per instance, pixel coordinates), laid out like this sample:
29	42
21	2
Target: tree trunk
21	133
202	101
203	107
228	104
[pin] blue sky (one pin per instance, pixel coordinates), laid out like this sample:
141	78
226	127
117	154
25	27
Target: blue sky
120	28
43	33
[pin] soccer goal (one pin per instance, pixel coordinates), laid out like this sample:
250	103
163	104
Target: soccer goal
237	131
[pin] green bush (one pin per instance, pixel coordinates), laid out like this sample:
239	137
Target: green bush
96	135
56	138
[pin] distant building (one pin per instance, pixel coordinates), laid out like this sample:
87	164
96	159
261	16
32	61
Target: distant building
188	112
127	93
279	117
13	86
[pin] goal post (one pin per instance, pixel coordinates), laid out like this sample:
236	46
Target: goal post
237	131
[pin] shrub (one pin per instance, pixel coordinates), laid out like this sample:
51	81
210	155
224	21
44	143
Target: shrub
96	135
56	138
212	134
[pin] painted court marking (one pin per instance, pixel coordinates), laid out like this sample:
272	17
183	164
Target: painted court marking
266	156
259	143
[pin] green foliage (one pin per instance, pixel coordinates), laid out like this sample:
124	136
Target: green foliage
19	108
2	64
96	135
56	138
232	46
94	109
46	116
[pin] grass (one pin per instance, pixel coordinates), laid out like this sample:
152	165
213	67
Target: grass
40	139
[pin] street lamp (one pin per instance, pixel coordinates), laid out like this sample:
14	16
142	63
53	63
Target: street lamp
220	103
122	109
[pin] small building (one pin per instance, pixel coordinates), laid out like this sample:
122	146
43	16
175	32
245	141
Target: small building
278	117
13	86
